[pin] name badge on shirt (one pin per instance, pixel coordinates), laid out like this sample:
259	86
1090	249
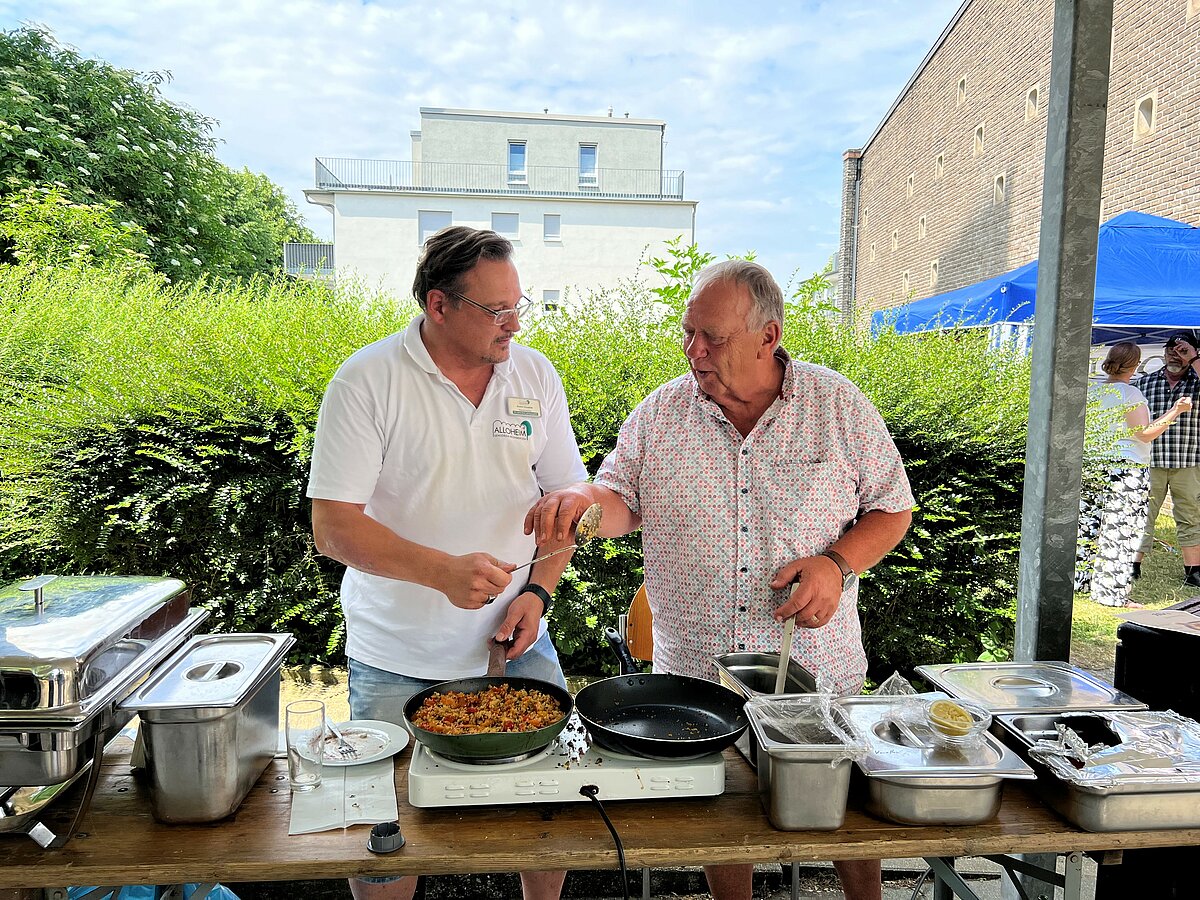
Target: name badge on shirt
528	408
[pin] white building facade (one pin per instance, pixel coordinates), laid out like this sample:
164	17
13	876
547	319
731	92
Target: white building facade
582	198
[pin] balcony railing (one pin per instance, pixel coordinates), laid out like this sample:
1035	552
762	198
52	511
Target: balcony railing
484	178
308	259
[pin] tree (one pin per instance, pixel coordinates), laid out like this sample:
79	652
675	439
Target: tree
102	134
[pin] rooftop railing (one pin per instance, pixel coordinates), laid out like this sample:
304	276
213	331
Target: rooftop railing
485	178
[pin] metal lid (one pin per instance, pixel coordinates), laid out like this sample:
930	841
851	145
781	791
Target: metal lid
210	675
65	641
897	748
80	613
1017	687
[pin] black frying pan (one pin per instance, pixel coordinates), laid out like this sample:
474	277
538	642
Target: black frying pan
499	745
660	716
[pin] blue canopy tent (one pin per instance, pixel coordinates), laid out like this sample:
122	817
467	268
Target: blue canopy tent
1147	285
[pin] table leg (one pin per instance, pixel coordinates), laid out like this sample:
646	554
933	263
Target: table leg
946	882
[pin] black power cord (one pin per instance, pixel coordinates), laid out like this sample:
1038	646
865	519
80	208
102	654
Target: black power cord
592	792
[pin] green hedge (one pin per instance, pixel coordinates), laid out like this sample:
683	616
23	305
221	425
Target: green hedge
149	430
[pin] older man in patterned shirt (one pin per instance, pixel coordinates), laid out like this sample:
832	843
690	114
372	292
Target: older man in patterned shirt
1175	455
762	485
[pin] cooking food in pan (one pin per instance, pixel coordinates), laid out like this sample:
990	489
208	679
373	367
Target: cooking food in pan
498	708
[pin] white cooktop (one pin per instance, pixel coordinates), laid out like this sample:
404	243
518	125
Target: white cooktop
556	775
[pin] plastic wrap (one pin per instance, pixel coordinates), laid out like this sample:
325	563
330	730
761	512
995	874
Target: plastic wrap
1148	748
806	722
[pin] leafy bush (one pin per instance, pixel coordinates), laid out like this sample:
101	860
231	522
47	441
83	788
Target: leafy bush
149	429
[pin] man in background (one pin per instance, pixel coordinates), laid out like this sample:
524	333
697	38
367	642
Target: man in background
1175	455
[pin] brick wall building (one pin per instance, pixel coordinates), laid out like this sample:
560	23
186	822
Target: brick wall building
948	190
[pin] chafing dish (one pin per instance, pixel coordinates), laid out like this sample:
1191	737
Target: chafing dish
210	723
753	675
70	650
1027	687
914	778
805	755
1117	770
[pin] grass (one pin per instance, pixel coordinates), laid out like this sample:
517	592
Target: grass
1094	627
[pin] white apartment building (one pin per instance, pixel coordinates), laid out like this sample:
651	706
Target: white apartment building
582	198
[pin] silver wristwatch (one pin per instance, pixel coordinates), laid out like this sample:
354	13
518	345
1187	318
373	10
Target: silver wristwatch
849	576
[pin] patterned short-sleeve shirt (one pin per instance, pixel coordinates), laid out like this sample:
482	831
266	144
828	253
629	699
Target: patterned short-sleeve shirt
722	514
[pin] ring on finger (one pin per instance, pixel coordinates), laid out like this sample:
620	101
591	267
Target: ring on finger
490	599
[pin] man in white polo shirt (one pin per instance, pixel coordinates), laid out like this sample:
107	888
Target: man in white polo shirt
430	447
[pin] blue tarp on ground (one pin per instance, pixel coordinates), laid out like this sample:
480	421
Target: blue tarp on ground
1147	285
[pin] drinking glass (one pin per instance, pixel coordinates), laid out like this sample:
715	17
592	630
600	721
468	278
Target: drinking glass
305	733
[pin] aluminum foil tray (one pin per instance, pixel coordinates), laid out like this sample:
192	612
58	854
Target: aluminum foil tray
1128	769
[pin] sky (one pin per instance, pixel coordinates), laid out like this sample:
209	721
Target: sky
760	99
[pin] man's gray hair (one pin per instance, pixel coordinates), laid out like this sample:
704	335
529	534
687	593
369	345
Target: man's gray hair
765	294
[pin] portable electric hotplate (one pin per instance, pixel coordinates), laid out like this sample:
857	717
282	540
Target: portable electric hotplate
557	774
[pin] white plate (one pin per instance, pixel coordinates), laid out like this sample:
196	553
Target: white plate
373	739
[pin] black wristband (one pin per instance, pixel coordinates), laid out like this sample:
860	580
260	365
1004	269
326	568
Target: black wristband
542	594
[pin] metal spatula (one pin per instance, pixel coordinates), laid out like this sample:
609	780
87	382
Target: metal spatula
589	524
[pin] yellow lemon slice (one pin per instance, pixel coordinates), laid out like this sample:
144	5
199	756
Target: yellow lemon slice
950	718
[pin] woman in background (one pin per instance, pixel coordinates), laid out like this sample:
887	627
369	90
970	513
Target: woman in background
1112	518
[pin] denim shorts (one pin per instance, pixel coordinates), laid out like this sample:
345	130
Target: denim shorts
381	695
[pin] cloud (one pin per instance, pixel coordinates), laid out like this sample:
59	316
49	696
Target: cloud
760	99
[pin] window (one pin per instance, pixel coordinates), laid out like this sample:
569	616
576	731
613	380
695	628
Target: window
895	240
550	300
933	273
911	181
998	189
979	141
872	251
962	90
939	166
905	283
507	224
430	222
516	163
1145	118
552	227
864	219
921	229
1031	104
587	166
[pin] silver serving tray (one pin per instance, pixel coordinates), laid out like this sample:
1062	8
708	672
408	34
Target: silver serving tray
899	750
1027	687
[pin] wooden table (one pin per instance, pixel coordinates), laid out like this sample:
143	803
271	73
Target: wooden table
120	843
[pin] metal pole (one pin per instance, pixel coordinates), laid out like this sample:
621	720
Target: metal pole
1075	125
1062	333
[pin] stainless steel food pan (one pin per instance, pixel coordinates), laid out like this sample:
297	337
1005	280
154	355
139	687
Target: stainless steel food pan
210	723
934	801
753	675
914	779
803	786
1137	803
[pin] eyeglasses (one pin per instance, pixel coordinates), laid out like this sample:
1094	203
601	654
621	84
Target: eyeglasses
500	316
